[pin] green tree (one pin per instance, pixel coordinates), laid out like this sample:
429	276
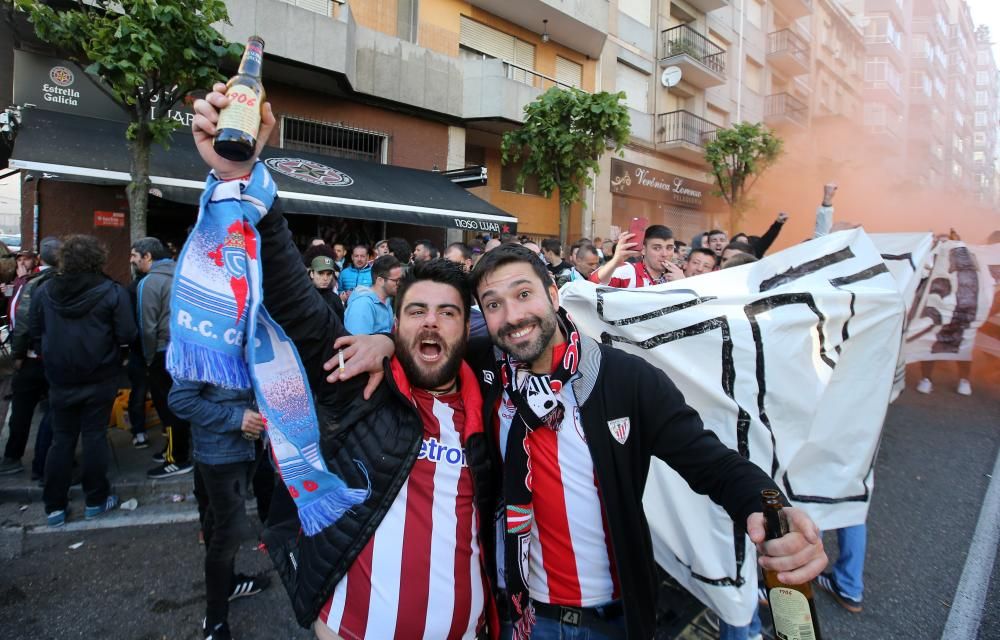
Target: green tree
565	132
738	156
148	54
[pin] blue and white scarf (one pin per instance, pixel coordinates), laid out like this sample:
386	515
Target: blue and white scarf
222	334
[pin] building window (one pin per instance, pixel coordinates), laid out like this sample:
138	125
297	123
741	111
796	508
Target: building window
983	57
754	76
636	9
880	71
568	73
920	82
635	84
921	46
882	29
508	180
483	40
980	118
982	78
334	139
755	13
982	98
980	138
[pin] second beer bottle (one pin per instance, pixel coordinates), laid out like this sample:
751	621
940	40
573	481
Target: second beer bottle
239	123
792	605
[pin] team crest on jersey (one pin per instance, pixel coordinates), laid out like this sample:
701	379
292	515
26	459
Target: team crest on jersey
620	428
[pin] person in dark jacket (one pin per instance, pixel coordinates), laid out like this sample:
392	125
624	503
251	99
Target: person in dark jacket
224	428
153	259
422	423
324	273
582	420
81	318
29	385
762	243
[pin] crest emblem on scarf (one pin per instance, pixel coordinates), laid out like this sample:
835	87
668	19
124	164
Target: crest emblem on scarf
620	428
231	255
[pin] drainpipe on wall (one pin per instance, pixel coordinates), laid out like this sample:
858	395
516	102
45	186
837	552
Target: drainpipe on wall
739	69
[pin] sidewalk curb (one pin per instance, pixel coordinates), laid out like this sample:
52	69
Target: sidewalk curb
182	485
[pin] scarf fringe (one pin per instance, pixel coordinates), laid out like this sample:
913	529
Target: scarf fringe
318	514
188	361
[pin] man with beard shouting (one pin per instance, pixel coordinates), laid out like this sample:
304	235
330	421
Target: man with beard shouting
411	560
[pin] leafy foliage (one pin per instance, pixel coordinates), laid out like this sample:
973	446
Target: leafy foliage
149	54
738	156
565	132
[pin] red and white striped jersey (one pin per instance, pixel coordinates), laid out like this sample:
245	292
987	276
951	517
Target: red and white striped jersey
420	575
629	276
570	559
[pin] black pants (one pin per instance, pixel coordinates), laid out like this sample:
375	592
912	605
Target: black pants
82	410
178	431
224	523
137	398
27	389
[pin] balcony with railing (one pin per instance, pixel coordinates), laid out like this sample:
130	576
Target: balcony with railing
498	89
708	5
683	135
783	108
788	52
581	25
793	9
701	61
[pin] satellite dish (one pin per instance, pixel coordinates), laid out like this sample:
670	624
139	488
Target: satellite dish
671	76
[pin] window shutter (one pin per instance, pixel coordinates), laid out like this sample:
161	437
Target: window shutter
479	37
568	72
635	85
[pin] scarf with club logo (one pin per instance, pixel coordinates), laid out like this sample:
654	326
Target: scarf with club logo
222	334
537	404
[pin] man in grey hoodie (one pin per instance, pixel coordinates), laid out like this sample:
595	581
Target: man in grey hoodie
152	258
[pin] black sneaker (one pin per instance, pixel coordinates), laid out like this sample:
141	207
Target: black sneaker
169	470
160	457
218	631
828	583
140	441
9	467
248	586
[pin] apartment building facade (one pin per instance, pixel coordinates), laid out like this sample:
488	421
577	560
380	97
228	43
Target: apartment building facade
985	121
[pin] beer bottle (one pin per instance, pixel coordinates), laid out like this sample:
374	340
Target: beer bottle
239	123
792	605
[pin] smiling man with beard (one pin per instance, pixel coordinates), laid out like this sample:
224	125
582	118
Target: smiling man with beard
410	560
578	423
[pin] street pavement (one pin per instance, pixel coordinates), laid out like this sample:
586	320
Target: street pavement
138	575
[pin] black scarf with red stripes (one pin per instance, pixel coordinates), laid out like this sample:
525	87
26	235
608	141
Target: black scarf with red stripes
536	399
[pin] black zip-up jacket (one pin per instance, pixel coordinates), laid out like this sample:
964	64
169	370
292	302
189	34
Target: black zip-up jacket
613	384
384	434
81	321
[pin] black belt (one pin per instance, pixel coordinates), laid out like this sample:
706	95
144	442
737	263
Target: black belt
589	617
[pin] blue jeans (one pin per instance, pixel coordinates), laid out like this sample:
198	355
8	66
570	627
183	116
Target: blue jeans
549	629
850	563
729	632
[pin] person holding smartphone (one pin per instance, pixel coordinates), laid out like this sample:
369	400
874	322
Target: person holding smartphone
656	266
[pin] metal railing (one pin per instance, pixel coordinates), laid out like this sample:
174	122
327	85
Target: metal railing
333	139
531	77
788	42
682	39
684	126
783	104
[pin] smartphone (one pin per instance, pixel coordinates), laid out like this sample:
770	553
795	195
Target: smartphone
637	227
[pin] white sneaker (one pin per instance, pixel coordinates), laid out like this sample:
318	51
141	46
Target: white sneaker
964	388
925	386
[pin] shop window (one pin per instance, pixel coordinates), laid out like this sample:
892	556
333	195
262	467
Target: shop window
333	139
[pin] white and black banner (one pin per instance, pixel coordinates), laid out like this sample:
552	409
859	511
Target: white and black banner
952	302
790	361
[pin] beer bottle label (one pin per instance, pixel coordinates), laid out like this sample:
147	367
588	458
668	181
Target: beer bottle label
790	610
243	112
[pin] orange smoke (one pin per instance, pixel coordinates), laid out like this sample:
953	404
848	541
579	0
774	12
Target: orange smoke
874	189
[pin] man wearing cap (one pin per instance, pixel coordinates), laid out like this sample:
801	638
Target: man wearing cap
370	310
323	273
29	384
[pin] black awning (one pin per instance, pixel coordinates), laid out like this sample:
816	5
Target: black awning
60	146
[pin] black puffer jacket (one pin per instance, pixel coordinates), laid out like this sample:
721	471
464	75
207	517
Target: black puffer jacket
82	320
383	433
